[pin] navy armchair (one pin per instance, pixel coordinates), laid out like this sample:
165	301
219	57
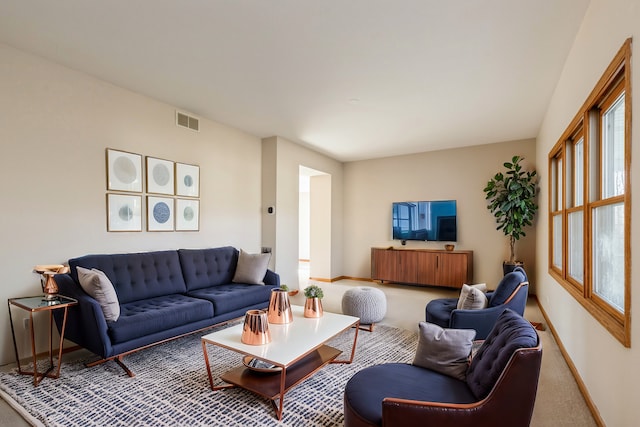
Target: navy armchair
499	389
511	292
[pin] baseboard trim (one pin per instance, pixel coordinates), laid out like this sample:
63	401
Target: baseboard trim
335	279
572	367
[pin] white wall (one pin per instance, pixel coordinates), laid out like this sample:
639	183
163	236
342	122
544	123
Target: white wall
55	125
281	169
460	174
607	368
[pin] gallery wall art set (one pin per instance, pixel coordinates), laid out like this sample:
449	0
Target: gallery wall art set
172	193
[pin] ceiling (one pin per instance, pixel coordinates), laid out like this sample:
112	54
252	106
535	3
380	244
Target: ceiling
353	79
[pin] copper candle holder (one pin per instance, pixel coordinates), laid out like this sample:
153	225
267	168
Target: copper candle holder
256	328
279	307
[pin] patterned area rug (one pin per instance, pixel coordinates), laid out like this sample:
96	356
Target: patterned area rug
171	387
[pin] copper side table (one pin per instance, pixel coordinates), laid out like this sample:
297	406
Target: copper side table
32	305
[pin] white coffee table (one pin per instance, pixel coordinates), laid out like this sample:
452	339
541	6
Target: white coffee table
297	350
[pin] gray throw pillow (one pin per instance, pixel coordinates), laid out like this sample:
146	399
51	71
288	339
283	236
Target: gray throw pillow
475	299
251	268
446	351
97	284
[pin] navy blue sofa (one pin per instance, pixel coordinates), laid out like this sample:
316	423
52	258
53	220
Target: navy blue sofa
162	295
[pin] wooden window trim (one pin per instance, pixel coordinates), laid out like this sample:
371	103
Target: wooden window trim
615	80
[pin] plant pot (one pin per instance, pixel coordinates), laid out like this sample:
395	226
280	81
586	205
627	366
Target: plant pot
313	307
255	330
508	267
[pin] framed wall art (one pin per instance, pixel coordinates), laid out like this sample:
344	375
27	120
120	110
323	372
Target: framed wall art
124	171
160	176
124	212
187	215
187	180
160	213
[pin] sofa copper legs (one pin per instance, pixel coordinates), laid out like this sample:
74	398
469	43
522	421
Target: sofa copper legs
118	360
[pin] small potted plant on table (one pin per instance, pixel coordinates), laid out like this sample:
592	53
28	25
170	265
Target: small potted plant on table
313	303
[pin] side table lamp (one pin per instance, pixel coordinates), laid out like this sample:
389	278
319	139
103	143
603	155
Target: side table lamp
49	285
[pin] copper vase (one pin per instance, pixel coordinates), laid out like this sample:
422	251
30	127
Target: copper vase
313	307
50	287
256	328
279	307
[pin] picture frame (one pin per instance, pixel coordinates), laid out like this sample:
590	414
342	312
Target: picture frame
160	176
187	180
187	215
160	213
124	212
124	171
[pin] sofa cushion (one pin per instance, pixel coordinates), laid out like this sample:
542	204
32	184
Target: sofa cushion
444	350
251	268
365	391
145	317
509	333
137	276
208	267
97	284
233	296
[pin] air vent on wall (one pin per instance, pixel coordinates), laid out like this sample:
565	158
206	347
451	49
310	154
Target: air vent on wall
186	121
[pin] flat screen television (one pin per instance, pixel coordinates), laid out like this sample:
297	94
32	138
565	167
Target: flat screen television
428	221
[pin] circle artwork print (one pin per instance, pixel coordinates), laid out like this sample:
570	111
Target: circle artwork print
125	213
161	174
188	181
124	170
188	213
161	212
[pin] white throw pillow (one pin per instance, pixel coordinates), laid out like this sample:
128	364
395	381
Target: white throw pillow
464	292
251	268
97	284
446	351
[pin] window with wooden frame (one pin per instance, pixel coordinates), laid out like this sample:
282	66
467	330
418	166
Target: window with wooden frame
590	201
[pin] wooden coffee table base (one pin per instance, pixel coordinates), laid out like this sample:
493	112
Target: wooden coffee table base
273	386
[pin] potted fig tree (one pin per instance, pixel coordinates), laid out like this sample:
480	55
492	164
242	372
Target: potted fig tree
511	197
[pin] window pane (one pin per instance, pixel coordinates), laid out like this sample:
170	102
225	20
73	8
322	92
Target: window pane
578	175
557	241
608	254
576	246
613	150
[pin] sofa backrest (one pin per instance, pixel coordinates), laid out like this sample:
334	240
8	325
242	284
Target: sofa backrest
510	333
137	276
202	268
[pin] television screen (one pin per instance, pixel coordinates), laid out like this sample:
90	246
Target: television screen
429	220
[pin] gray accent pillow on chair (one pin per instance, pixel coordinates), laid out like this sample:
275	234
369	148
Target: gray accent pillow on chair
446	351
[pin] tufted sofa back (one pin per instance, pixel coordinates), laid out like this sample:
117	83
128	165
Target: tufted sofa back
510	333
203	268
137	276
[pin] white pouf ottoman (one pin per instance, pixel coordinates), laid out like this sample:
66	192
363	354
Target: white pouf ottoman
367	303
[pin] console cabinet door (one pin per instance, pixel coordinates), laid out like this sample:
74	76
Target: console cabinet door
452	270
393	265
